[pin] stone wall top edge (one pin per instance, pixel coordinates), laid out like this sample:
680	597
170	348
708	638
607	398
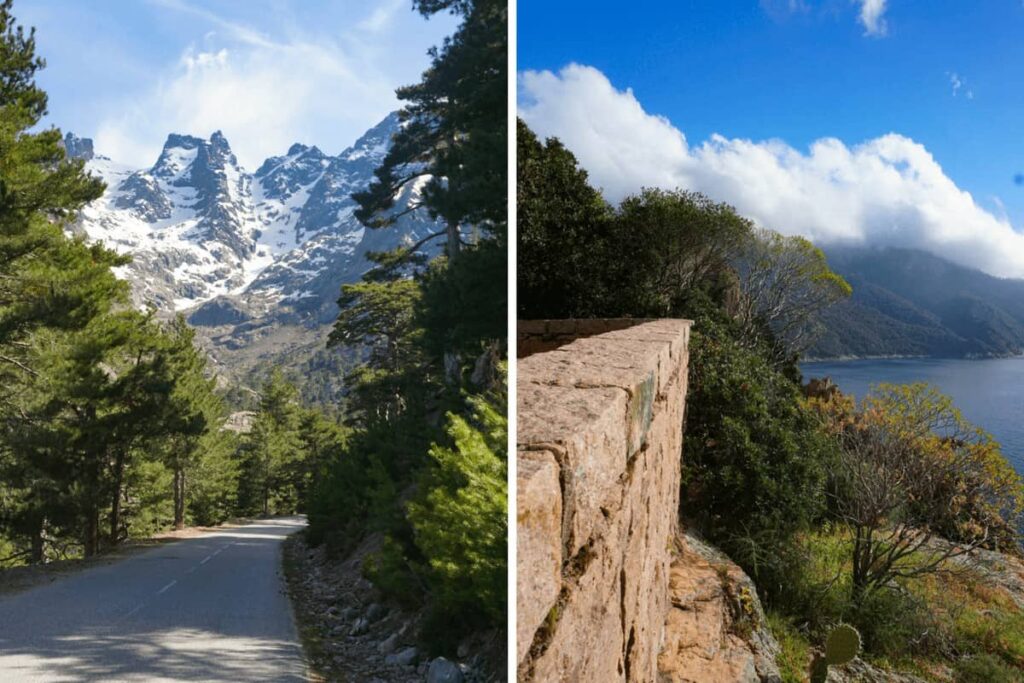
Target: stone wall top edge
564	391
567	325
660	333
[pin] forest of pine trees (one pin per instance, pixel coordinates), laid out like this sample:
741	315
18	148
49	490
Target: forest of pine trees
114	426
425	464
112	423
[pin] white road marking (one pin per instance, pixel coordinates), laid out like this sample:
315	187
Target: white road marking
166	587
137	608
206	559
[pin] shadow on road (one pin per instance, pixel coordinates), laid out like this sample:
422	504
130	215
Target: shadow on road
175	655
209	608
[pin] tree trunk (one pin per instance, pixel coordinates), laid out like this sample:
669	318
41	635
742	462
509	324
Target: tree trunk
92	513
115	502
179	498
92	530
37	541
453	245
452	368
452	363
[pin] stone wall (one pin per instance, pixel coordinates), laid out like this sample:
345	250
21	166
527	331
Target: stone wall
537	336
599	447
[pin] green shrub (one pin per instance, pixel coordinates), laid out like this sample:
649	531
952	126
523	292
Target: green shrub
460	523
893	623
393	571
754	469
794	649
147	507
809	579
985	669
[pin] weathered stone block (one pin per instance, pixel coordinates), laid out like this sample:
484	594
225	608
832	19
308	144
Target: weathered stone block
609	410
587	640
586	431
538	542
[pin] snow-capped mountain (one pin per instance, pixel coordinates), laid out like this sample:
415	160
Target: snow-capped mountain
228	246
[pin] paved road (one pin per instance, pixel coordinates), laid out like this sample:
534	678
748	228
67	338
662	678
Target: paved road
210	608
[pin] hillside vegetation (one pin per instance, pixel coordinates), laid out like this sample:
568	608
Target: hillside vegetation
874	514
425	464
911	303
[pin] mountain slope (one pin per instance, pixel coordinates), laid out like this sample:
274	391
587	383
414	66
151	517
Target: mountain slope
254	260
908	302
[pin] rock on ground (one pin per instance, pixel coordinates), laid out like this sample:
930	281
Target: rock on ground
859	671
360	636
443	671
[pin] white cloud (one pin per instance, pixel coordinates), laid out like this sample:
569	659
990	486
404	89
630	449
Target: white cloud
872	17
266	92
885	191
382	16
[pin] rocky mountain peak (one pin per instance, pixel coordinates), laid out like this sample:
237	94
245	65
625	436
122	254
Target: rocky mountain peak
78	148
181	151
233	247
179	141
374	143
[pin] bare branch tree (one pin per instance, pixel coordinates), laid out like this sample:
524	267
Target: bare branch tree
786	283
912	472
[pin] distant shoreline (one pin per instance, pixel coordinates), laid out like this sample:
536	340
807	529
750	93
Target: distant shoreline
843	359
839	359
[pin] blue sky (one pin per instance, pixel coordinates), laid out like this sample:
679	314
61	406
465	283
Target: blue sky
267	72
777	77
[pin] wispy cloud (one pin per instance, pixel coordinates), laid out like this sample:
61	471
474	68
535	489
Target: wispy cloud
237	31
888	190
870	13
872	17
382	16
268	76
959	84
780	9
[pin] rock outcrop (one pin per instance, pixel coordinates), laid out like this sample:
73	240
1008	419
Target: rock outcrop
599	446
716	630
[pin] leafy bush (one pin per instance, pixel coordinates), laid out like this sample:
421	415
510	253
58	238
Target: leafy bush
755	457
985	669
461	522
394	572
794	649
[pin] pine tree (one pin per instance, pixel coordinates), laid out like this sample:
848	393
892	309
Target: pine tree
419	323
197	411
380	316
47	282
274	446
461	522
45	278
454	133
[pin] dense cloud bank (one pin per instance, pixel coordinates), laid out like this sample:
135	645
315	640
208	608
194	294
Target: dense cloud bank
888	191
